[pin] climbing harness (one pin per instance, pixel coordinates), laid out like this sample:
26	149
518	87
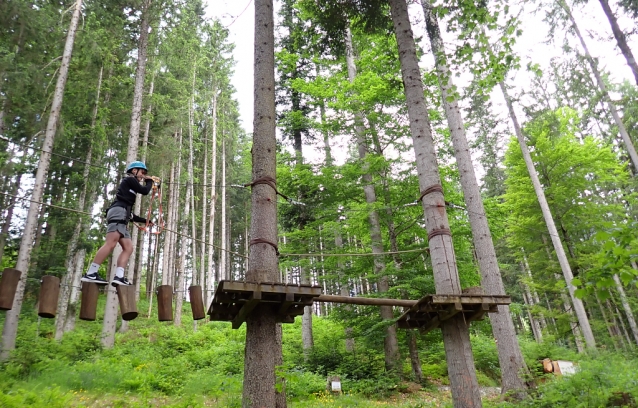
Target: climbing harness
156	193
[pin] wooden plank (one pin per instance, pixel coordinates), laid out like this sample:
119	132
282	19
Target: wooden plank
365	301
246	309
234	286
472	299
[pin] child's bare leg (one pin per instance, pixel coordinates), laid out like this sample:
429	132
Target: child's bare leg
127	250
107	248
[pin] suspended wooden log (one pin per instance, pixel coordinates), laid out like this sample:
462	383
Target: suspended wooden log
88	305
165	303
8	287
49	293
126	296
197	302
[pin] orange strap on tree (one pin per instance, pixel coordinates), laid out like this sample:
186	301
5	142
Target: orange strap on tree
156	192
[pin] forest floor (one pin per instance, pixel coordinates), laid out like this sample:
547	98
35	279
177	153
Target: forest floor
413	398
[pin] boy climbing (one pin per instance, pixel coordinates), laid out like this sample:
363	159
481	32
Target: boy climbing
118	215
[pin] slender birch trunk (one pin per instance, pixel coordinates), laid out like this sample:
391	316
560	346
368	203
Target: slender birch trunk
179	289
603	88
621	39
579	309
625	305
456	336
513	368
536	330
191	114
262	347
10	328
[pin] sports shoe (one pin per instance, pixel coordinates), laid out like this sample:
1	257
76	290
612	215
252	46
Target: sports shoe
93	278
120	281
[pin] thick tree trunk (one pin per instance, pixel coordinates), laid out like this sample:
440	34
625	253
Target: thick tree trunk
621	40
513	368
262	348
391	344
625	305
603	89
10	328
583	320
456	336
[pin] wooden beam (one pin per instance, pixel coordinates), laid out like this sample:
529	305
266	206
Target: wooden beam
365	301
479	313
246	309
285	305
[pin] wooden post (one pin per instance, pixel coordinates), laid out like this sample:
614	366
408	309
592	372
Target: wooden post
49	293
8	286
165	303
197	302
88	305
126	296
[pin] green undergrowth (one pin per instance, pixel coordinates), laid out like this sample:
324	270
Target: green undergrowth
158	364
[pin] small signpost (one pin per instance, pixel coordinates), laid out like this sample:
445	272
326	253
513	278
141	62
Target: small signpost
334	384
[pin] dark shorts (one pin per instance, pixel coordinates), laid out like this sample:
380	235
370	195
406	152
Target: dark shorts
117	213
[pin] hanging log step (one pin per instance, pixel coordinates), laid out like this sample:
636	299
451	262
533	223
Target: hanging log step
197	302
8	286
165	303
233	300
88	305
49	293
126	296
428	313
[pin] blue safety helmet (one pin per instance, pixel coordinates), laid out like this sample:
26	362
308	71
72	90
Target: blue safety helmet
136	165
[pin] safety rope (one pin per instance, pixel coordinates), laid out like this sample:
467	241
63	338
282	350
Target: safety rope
156	192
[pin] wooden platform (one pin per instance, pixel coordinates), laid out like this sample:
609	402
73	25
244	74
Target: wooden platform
234	300
431	310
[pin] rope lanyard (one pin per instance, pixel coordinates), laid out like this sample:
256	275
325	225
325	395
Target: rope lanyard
155	193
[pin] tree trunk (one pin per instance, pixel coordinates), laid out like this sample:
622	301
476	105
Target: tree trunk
202	271
262	349
210	275
71	258
191	114
536	330
532	292
625	305
166	252
9	217
511	361
603	89
610	329
551	226
10	328
344	286
414	356
456	336
621	41
391	344
224	272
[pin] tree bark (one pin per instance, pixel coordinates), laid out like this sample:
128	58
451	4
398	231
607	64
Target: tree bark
210	275
603	89
224	273
456	337
10	328
262	349
166	252
391	344
414	356
625	305
583	320
621	40
513	368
